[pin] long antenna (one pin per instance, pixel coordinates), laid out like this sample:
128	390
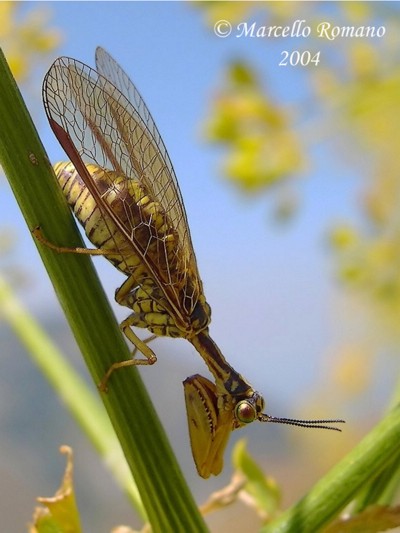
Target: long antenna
317	424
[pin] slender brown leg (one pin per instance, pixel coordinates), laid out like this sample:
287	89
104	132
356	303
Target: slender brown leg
38	234
140	345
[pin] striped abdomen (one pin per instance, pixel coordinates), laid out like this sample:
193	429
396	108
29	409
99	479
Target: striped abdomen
141	217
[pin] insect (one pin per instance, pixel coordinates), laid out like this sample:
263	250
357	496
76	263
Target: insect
122	187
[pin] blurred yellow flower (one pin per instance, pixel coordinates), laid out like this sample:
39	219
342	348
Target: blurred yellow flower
25	37
343	236
262	149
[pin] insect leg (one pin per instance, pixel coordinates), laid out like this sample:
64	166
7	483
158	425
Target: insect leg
38	234
146	341
124	295
140	345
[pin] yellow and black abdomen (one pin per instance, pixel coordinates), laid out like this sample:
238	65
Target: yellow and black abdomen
141	241
100	229
140	220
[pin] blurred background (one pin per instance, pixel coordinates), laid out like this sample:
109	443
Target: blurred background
290	177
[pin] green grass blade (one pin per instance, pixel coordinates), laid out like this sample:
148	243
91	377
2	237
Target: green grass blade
338	488
168	502
383	488
71	388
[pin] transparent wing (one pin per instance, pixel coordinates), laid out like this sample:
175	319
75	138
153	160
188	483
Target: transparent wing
165	186
111	127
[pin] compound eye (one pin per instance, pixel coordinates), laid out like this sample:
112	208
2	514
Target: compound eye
245	412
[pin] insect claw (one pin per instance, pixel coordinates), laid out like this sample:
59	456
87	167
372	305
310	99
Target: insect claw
102	386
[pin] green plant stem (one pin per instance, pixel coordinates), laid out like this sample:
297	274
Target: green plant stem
328	497
382	489
168	502
71	388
